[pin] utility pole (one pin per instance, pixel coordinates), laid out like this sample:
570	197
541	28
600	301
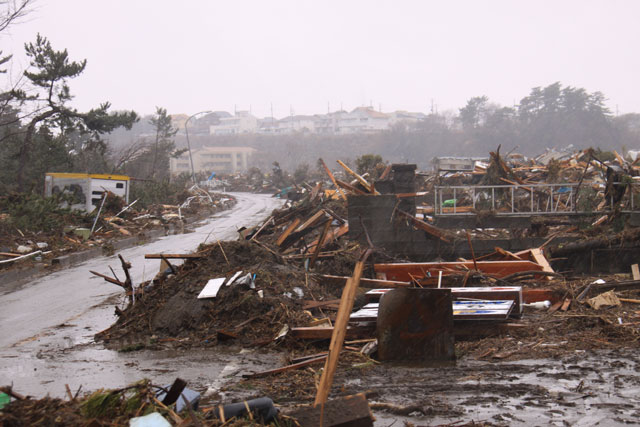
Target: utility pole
186	131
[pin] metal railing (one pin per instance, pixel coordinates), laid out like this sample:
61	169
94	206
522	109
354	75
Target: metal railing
533	199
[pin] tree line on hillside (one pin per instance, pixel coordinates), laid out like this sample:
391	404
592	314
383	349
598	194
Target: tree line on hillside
41	132
555	116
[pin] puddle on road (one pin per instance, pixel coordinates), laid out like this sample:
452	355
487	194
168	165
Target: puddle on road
581	389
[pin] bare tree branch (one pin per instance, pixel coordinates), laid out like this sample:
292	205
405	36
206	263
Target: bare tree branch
13	11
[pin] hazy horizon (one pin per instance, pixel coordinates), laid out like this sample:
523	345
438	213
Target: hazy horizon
308	57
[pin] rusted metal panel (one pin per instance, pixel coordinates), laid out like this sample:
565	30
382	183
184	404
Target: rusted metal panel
416	324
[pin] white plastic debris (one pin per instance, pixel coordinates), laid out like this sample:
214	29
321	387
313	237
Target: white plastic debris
598	282
22	249
211	289
154	419
299	292
248	279
42	245
261	293
233	278
540	305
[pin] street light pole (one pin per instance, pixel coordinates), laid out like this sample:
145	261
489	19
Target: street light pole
186	130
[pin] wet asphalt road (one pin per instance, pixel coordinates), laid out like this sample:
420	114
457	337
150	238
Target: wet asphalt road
47	325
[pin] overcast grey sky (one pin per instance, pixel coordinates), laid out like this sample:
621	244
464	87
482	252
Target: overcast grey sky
196	55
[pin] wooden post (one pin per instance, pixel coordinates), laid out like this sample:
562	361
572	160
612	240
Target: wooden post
360	179
323	237
333	179
339	331
473	255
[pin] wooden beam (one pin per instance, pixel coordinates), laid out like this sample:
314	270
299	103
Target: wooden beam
310	221
288	231
369	283
173	256
333	234
386	173
360	179
539	258
108	279
324	333
405	195
264	224
286	368
317	304
351	188
434	231
321	241
340	331
497	269
506	254
333	180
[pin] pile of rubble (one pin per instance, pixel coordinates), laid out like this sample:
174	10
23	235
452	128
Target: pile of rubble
336	279
114	220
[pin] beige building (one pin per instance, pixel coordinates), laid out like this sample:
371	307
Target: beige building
220	160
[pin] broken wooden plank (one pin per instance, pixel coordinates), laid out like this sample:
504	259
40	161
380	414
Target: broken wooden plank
321	241
333	234
506	254
108	279
351	188
316	216
368	283
307	305
333	180
538	257
340	331
173	256
264	224
497	269
385	173
288	231
285	368
635	272
311	356
434	231
406	195
315	191
360	179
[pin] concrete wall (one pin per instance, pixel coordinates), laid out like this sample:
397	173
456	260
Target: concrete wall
399	239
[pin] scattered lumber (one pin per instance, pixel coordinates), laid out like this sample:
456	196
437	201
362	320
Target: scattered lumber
360	179
340	330
407	271
286	368
351	188
432	230
333	180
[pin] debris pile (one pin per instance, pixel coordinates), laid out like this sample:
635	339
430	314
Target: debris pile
264	296
60	231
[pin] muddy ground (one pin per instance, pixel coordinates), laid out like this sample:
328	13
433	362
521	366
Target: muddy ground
573	367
